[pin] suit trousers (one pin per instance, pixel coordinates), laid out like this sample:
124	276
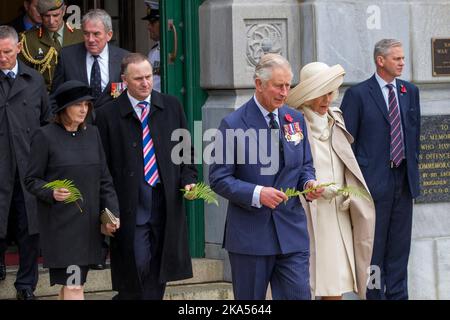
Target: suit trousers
149	237
28	245
392	240
288	275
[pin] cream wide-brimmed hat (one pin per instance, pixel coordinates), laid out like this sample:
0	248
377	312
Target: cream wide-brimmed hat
316	80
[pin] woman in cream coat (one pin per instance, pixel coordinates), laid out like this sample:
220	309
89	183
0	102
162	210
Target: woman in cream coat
341	228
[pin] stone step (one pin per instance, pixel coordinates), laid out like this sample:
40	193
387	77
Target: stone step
205	271
205	291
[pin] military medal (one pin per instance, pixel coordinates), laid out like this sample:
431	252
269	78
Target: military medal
293	132
117	88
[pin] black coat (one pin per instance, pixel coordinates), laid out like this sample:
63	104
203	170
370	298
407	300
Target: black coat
72	66
23	110
121	134
69	236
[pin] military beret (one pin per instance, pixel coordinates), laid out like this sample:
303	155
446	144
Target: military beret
48	5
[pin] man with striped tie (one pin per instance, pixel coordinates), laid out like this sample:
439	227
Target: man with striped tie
383	115
151	247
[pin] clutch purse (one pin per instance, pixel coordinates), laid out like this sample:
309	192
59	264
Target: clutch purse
107	216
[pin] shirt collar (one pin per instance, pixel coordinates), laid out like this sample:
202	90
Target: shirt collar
264	112
134	102
60	32
382	83
15	69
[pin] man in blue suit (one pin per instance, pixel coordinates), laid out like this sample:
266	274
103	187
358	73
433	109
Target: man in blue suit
383	115
265	151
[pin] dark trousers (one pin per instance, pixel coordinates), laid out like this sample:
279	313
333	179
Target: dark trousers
288	275
28	245
148	244
392	241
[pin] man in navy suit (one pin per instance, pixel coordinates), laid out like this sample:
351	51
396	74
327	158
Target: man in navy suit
383	115
265	150
94	62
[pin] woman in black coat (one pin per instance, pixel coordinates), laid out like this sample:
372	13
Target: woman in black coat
70	149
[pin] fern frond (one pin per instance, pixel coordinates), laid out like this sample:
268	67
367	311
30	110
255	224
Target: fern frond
290	192
354	191
201	191
75	194
322	185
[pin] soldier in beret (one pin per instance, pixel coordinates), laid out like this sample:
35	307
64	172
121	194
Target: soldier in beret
41	47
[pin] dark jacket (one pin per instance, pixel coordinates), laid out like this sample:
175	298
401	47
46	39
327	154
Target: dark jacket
72	66
70	236
121	134
23	110
262	231
366	118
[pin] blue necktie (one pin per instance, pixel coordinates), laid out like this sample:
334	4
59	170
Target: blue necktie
11	75
397	150
151	175
96	78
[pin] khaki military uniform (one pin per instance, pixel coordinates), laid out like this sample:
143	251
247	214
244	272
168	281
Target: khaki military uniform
38	49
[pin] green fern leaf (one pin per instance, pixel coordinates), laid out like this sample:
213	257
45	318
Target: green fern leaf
322	185
75	194
201	191
290	192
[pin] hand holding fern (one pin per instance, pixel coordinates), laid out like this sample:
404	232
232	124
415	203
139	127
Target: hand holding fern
61	194
315	193
271	197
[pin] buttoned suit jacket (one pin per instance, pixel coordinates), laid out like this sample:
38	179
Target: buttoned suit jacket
366	118
262	231
72	66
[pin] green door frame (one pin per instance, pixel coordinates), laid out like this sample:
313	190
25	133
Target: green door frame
182	79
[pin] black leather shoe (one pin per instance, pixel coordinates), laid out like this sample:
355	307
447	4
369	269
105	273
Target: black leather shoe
2	272
99	266
25	294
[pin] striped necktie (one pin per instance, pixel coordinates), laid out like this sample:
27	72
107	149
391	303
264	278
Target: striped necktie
397	150
150	166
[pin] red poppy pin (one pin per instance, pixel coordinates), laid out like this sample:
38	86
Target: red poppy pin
402	89
288	117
